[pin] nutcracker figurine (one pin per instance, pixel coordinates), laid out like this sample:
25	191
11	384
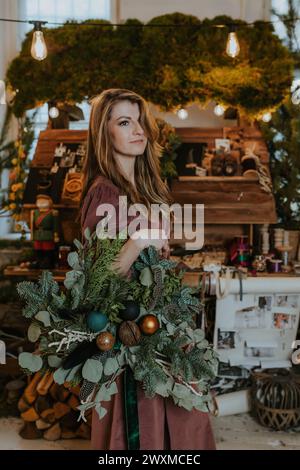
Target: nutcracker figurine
44	231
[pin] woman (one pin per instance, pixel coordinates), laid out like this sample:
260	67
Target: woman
123	159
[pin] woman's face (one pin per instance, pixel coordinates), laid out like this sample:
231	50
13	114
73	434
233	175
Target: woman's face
125	131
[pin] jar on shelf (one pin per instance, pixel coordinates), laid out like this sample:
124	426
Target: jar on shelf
63	253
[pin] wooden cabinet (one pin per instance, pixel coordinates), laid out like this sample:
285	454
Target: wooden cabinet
232	204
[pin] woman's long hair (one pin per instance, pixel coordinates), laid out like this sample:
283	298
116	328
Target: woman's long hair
150	188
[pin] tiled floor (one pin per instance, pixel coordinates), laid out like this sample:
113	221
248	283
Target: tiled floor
231	432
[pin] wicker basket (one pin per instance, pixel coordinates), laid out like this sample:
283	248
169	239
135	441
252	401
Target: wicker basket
276	398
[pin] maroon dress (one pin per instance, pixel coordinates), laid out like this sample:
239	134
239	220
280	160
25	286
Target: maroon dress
162	424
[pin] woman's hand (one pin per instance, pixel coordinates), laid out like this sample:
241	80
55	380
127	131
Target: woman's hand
145	238
136	243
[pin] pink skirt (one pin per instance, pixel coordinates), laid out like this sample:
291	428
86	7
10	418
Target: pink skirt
162	425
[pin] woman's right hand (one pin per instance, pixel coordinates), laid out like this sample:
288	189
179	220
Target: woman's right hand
136	243
145	238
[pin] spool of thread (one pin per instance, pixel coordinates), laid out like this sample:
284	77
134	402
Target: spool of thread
249	166
230	166
243	258
286	238
274	265
242	242
278	237
217	164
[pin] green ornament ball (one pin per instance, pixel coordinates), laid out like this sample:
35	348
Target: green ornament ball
96	321
131	310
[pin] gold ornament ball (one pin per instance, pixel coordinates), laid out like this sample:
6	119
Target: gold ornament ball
149	324
105	341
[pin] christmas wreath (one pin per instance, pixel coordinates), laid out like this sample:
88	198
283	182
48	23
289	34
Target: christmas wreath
101	323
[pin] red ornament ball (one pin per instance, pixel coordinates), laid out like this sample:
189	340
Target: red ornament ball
149	324
105	341
129	333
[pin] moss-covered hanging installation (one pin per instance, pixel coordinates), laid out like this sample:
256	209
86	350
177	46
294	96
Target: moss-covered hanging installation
170	66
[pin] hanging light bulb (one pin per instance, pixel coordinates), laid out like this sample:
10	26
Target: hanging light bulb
266	117
38	46
296	96
219	110
232	46
182	113
53	112
2	92
295	84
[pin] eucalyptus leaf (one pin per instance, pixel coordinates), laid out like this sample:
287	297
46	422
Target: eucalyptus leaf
72	278
34	332
146	277
101	411
43	344
44	317
208	355
180	391
30	361
92	370
202	344
78	244
162	389
113	389
87	234
105	393
60	375
186	403
199	335
170	328
54	361
111	366
73	260
72	373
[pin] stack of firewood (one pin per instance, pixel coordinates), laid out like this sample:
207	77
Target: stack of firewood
50	410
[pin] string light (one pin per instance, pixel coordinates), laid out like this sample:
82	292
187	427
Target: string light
219	110
39	49
182	113
296	97
232	46
295	90
54	112
266	117
38	46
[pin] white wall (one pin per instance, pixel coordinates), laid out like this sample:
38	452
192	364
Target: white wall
9	49
144	10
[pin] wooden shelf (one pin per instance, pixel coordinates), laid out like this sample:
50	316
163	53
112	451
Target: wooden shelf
55	206
59	274
193	278
227	200
220	179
